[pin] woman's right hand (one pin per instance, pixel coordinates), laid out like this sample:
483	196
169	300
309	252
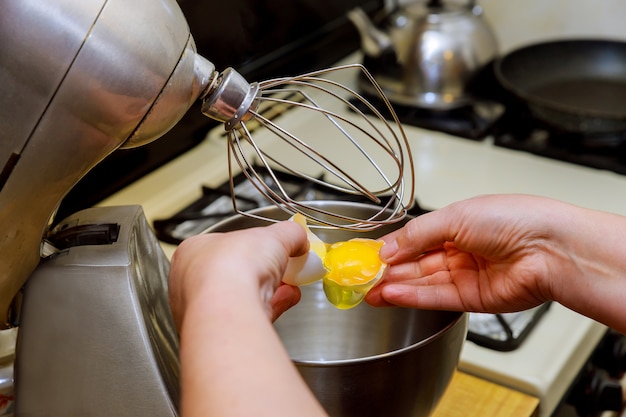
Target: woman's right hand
502	253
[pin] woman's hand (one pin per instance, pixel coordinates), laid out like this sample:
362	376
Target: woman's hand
504	253
224	291
244	260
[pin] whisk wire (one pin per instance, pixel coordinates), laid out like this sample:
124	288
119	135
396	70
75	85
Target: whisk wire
289	205
355	187
332	116
326	163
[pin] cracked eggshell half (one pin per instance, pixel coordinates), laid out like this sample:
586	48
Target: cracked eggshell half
308	268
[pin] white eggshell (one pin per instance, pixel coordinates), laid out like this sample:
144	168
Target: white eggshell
308	268
303	270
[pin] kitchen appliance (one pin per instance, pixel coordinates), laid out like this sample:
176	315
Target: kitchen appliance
96	336
81	79
93	95
95	80
88	89
429	53
365	361
379	150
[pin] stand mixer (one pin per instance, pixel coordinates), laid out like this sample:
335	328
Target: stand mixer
79	80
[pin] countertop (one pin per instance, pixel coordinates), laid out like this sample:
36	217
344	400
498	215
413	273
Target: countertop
469	396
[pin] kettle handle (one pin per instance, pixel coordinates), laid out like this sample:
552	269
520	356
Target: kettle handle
374	42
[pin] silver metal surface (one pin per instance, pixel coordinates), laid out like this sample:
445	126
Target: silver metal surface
436	53
97	336
79	80
364	135
371	362
365	362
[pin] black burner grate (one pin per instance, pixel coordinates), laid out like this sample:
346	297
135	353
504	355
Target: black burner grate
215	204
519	130
472	121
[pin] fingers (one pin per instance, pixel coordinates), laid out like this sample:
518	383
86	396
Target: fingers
434	292
428	297
428	270
284	298
424	265
422	234
204	260
291	235
425	282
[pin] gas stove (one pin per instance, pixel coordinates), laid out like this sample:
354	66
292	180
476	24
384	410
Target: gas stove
489	146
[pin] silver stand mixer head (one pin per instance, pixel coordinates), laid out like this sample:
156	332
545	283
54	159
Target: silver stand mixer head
79	80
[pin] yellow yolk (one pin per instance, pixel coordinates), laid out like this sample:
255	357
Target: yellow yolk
353	268
353	262
348	269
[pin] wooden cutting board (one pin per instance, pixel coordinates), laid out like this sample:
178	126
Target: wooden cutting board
469	396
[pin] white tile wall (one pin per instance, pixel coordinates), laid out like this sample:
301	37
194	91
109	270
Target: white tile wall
517	22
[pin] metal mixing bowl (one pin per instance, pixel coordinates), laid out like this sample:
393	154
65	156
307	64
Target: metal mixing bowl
366	361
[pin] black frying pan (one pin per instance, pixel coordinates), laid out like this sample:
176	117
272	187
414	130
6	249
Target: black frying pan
574	85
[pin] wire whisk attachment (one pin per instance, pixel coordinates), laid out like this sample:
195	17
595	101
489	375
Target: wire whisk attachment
331	136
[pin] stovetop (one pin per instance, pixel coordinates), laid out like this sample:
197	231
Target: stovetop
517	129
474	120
216	203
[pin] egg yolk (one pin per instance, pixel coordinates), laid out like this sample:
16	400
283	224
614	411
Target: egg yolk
353	262
350	268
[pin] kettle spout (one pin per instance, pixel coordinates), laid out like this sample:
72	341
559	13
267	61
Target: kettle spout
374	42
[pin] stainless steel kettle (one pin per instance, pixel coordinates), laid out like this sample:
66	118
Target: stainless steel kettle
427	54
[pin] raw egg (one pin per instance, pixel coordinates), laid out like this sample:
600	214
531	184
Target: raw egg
353	268
348	269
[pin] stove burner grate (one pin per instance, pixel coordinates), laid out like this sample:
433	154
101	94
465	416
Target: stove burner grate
503	332
215	204
519	130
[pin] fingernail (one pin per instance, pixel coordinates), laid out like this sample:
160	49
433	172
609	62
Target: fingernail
388	250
